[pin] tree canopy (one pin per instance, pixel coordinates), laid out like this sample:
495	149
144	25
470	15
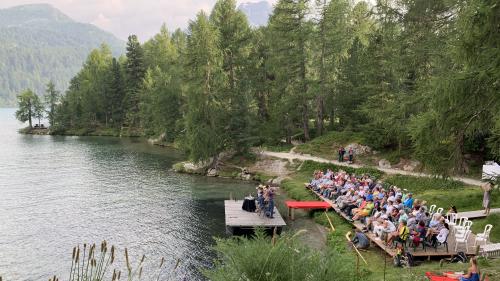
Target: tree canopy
416	75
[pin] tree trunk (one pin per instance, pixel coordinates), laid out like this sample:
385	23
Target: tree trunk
319	115
305	122
460	165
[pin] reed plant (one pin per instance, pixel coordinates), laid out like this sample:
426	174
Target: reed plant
93	263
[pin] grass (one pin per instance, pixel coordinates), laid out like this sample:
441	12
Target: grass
281	147
327	145
443	193
492	219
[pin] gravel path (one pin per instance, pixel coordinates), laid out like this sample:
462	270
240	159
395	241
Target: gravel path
290	156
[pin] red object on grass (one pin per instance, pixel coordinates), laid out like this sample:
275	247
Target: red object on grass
434	277
308	204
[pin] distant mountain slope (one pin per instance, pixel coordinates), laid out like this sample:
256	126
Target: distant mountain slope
257	13
39	43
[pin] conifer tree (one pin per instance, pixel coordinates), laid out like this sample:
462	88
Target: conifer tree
205	117
51	100
134	70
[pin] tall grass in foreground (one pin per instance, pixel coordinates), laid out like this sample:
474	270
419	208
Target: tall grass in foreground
92	263
279	259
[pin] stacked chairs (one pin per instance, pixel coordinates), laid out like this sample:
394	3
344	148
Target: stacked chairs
462	240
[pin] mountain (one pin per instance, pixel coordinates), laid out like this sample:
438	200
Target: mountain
39	43
257	13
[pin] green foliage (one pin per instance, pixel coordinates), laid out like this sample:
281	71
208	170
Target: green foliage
327	145
29	107
419	77
280	258
38	44
51	100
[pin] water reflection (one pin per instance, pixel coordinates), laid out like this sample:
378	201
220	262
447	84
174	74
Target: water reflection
56	192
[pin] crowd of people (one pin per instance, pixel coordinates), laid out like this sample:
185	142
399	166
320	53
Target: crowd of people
390	213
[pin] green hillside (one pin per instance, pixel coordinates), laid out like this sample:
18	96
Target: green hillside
38	43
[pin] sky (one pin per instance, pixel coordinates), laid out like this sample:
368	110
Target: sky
124	17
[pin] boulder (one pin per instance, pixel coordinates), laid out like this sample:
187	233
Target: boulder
212	173
190	168
385	164
411	166
359	149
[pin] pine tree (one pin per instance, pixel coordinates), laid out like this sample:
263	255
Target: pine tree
234	40
289	43
116	95
51	100
134	70
205	128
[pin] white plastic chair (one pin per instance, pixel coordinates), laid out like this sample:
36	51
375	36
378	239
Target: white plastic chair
462	240
461	231
432	209
452	219
459	224
485	236
440	211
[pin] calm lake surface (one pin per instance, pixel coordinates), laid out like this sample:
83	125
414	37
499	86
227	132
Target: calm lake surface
58	192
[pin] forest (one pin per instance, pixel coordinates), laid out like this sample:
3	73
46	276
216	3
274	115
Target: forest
417	75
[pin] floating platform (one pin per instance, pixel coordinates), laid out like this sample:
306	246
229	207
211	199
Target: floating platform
240	222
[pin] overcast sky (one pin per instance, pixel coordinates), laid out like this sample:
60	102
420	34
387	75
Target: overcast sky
124	17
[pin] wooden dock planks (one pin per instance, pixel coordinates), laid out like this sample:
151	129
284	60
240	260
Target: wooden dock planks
236	217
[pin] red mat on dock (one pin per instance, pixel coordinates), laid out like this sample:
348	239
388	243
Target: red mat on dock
308	204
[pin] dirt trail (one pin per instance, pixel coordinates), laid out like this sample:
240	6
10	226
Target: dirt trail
290	156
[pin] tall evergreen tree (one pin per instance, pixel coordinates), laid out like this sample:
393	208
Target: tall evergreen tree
134	70
51	99
205	117
234	39
289	42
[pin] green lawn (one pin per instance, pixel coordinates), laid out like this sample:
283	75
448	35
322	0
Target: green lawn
493	219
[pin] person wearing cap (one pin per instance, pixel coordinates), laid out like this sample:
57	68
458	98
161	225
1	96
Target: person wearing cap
408	203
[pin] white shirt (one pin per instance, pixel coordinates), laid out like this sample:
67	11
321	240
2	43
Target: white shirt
443	233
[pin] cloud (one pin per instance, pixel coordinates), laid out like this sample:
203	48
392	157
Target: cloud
125	17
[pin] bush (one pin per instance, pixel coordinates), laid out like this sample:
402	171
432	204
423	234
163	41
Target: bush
284	259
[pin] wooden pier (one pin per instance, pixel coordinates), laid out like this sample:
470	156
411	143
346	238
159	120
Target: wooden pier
239	221
418	252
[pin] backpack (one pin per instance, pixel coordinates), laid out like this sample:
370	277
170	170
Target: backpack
409	260
459	258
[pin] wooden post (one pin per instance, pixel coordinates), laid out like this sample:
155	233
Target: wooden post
293	214
329	221
357	265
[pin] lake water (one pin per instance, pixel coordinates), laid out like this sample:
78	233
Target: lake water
57	192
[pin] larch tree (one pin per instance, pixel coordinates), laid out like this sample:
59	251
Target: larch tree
51	99
205	117
290	38
234	42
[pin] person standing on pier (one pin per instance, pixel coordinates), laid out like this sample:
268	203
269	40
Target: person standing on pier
270	205
486	196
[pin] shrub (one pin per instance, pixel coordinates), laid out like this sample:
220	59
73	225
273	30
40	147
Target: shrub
278	259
